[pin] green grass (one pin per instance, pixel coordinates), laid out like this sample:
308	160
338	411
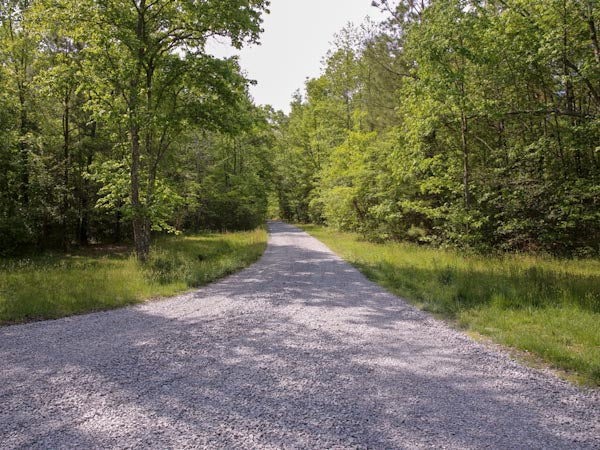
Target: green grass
58	285
547	307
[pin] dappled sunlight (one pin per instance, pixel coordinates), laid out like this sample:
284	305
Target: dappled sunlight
542	305
299	350
53	286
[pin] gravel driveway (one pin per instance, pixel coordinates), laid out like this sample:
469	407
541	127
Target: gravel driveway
298	351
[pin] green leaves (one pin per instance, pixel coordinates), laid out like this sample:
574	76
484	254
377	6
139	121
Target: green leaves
482	121
101	100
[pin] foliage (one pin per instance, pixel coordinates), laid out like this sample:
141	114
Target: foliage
114	121
455	122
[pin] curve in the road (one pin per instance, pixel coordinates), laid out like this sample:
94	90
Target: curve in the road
300	350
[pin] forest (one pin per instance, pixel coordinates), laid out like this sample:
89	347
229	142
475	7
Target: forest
471	124
116	124
407	254
462	123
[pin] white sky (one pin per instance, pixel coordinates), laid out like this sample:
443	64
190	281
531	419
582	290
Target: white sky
297	35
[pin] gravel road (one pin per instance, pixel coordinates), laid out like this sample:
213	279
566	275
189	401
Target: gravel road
298	351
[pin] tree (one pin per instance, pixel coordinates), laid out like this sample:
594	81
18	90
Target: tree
152	54
463	122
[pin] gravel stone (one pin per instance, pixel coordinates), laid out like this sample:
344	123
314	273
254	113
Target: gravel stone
298	351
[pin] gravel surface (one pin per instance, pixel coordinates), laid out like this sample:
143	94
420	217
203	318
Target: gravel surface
298	351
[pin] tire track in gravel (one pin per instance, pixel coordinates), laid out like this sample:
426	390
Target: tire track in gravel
298	351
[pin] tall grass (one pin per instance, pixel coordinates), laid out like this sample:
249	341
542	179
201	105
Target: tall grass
57	285
545	306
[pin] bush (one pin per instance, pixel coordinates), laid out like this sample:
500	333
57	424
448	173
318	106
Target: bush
15	235
165	267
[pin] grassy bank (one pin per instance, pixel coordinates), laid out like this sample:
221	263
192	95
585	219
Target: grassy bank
545	306
58	285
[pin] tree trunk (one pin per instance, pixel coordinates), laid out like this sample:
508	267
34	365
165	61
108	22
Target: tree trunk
593	35
466	169
23	150
141	222
84	221
141	230
66	162
118	217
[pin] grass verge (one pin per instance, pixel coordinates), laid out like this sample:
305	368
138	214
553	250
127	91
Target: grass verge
58	285
547	307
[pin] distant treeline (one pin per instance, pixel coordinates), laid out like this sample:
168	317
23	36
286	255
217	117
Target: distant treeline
463	122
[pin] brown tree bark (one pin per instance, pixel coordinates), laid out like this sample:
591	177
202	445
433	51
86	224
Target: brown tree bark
466	168
141	229
66	162
141	222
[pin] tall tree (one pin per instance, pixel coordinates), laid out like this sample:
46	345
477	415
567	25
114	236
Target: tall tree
151	54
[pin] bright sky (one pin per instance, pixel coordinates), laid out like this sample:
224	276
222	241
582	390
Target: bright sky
297	35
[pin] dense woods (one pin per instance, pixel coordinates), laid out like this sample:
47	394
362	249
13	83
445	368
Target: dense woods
456	122
115	122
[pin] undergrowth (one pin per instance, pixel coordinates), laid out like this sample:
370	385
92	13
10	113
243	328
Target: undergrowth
51	286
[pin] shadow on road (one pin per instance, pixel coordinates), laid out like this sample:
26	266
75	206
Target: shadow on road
299	350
